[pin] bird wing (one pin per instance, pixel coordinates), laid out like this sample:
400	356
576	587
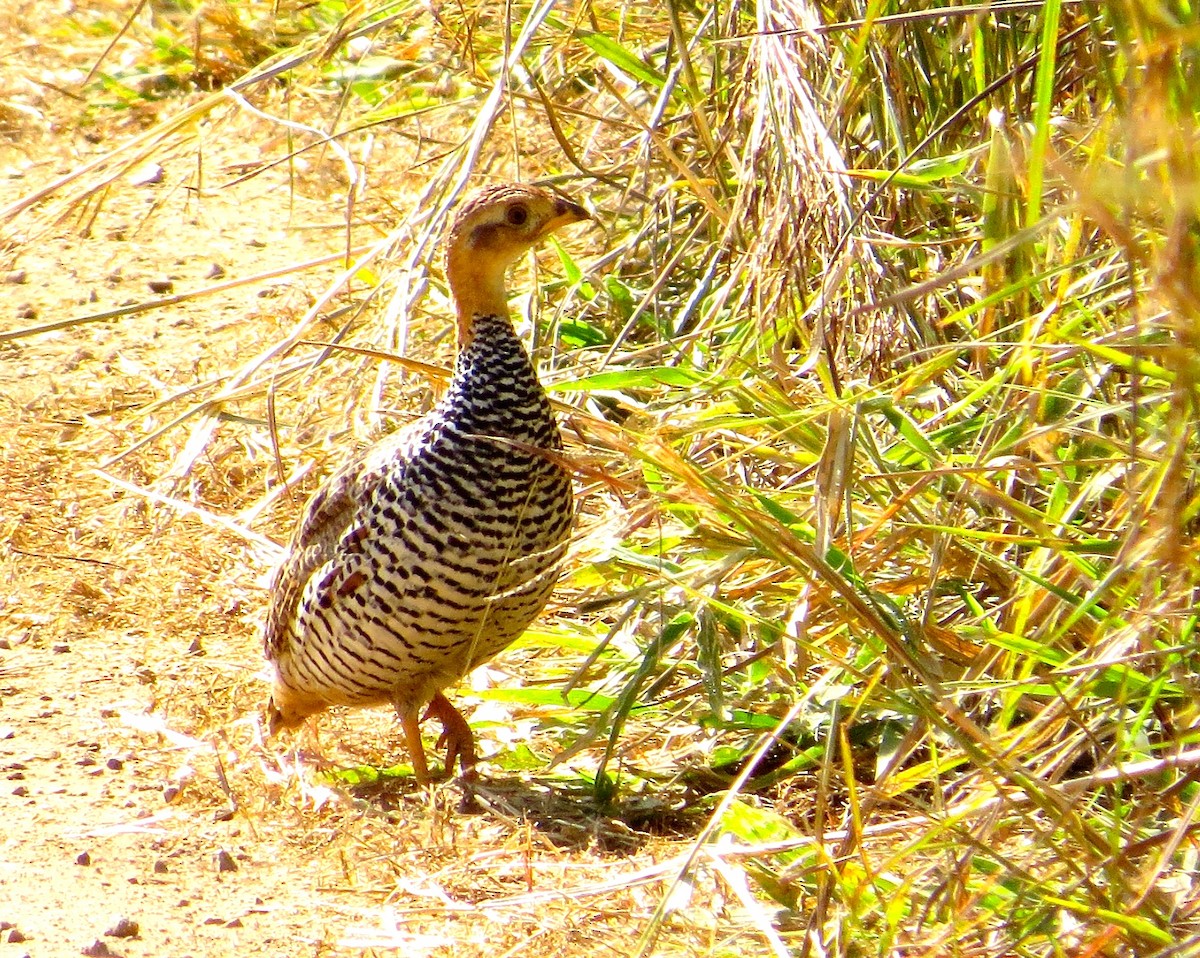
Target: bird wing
329	528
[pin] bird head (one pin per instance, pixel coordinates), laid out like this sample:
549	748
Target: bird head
491	231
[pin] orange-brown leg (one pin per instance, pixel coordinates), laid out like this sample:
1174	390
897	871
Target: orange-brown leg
416	751
456	735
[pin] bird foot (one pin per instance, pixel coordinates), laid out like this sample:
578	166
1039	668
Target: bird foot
456	736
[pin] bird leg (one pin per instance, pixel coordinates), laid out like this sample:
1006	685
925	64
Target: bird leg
456	735
416	751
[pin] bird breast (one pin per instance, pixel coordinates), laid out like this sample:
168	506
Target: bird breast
449	546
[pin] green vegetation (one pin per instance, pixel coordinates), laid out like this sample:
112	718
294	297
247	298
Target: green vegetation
884	389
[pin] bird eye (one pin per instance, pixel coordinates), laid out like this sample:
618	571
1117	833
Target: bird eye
517	214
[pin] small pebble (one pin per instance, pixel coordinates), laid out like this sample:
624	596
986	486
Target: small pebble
60	647
115	764
160	867
123	928
26	311
98	949
225	862
16	276
216	271
146	175
161	286
20	791
16	936
83	858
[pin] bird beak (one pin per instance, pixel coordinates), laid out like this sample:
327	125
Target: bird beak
565	213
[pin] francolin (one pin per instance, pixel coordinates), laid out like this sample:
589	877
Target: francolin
433	550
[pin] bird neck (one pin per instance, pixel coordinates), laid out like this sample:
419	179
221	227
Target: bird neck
478	290
495	389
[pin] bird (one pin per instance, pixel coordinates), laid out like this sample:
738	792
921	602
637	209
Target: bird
430	552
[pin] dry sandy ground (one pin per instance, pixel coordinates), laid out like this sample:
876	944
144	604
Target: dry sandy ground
140	812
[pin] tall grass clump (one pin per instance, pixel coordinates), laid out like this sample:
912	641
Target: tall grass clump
882	386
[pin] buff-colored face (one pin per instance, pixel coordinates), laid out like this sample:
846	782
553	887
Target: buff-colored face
502	222
494	228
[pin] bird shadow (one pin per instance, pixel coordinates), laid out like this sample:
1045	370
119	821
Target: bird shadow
565	810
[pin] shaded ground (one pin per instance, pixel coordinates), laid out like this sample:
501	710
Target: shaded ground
133	780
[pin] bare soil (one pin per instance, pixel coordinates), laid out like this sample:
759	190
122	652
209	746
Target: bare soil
141	812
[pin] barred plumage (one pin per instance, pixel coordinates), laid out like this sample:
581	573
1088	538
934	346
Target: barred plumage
432	551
